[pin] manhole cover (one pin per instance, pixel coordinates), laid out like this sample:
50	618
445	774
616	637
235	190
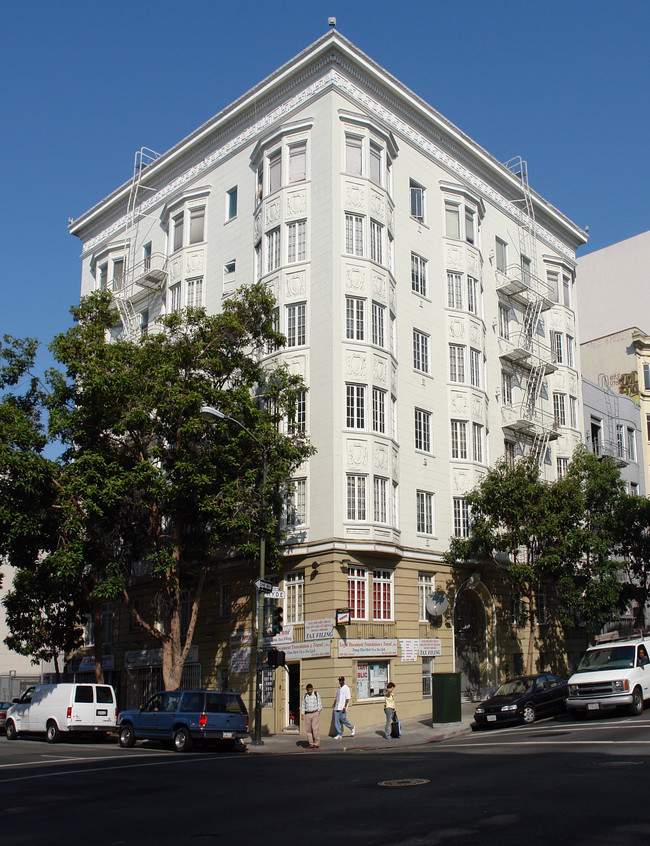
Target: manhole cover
618	763
404	782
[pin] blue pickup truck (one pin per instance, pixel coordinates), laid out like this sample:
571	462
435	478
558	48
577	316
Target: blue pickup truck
183	716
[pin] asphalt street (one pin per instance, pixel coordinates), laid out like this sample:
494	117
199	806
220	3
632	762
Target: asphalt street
580	783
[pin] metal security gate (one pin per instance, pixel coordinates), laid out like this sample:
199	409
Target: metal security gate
142	682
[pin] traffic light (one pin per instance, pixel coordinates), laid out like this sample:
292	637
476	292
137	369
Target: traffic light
277	623
275	658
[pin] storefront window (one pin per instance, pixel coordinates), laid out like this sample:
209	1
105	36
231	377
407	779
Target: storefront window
372	677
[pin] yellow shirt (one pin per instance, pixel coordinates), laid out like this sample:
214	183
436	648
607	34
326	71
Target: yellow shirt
389	701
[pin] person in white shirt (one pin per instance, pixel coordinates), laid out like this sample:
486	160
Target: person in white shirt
310	709
341	702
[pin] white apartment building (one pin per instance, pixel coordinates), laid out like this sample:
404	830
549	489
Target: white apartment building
427	296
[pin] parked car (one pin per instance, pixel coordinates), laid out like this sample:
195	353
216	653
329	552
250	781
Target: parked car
183	716
56	709
523	699
611	674
4	706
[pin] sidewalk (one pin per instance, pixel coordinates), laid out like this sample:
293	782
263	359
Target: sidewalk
415	731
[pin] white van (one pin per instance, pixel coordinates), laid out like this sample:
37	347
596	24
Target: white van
613	673
58	708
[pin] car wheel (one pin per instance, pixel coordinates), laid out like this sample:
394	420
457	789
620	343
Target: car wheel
52	733
126	736
528	714
636	707
10	730
182	739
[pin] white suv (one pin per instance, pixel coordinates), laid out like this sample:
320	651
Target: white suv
610	674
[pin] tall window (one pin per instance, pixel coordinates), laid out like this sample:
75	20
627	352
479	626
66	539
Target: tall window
356	497
422	430
379	410
620	441
418	275
353	155
426	586
298	162
378	321
355	397
272	250
357	593
194	298
559	409
424	512
375	163
298	417
355	309
380	499
570	351
556	347
420	351
296	324
470	233
566	290
647	426
461	517
525	270
573	412
501	255
504	323
376	242
475	368
354	235
296	241
294	604
175	298
646	377
454	290
553	280
231	203
477	442
631	444
382	595
197	223
509	453
456	363
473	292
297	503
562	467
417	201
506	388
177	227
452	220
459	439
275	171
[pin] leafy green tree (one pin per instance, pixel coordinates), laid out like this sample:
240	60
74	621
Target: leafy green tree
143	483
633	547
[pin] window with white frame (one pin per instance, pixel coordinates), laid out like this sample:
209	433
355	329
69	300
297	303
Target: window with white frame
418	275
562	467
452	220
646	377
525	264
504	322
389	252
556	347
620	441
506	388
144	321
271	344
376	242
175	298
426	586
459	439
395	504
378	325
298	415
372	678
296	241
275	171
473	296
631	444
229	272
570	351
258	260
475	368
297	503
379	410
420	351
553	282
573	412
298	162
354	235
355	318
567	282
103	277
177	231
194	292
296	324
146	256
424	502
454	290
376	156
634	488
380	499
197	225
294	603
461	517
356	497
355	406
393	416
392	337
417	200
501	253
456	363
382	595
509	453
231	203
559	409
358	593
422	430
470	225
272	250
353	155
478	442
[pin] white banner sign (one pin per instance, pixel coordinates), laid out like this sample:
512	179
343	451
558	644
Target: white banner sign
285	636
241	638
319	629
409	649
430	647
240	660
313	649
371	648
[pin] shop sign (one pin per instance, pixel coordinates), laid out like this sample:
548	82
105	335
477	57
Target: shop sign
240	660
153	657
241	638
409	648
319	629
371	648
313	649
285	636
430	647
87	664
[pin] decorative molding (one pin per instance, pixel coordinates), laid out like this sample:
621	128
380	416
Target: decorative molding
456	328
272	212
355	196
296	203
458	402
355	277
381	458
194	262
379	285
461	480
296	284
455	257
357	454
376	204
380	369
355	365
296	364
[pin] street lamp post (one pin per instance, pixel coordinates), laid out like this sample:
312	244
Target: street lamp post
210	413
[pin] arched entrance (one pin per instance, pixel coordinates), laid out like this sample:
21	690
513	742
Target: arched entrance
474	630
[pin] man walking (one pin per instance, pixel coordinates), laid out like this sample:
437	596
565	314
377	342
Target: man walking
341	703
310	709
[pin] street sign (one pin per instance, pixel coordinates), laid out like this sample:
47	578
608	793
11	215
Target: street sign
276	593
264	586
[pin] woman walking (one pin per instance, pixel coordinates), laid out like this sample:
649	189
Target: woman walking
390	708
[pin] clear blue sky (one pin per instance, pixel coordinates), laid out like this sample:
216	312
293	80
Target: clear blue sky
85	84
